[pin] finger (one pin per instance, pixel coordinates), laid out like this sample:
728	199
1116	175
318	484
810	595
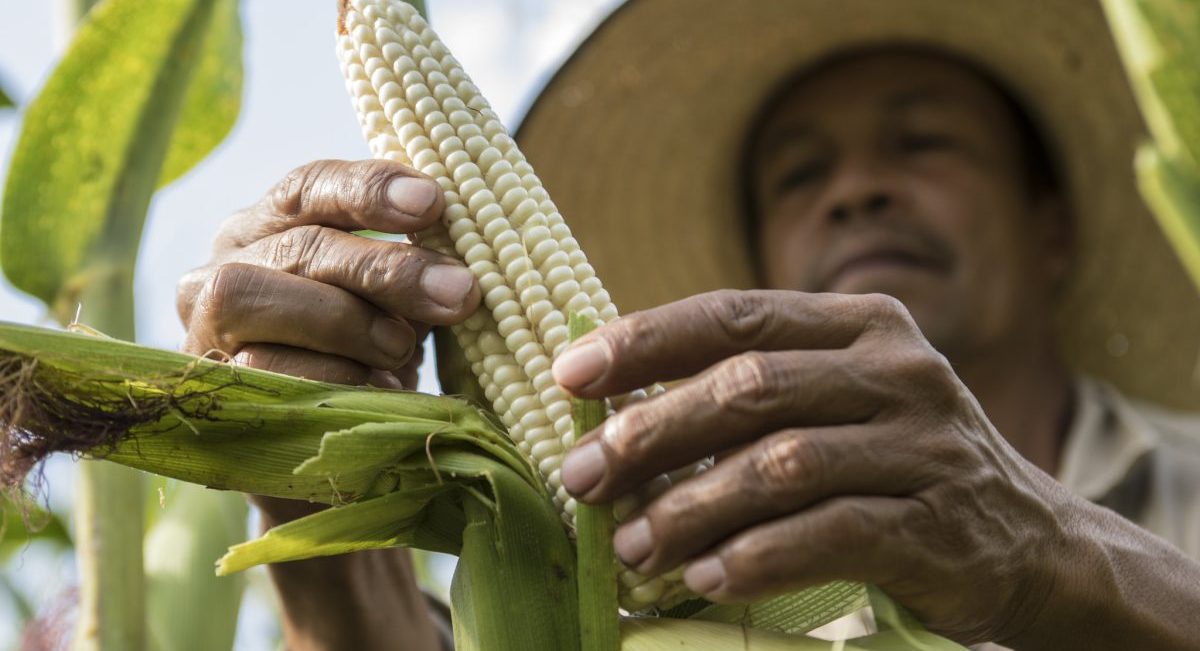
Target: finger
403	280
243	304
780	474
685	337
350	195
732	403
301	363
849	538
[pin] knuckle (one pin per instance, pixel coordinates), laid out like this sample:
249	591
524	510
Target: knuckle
637	427
884	309
291	195
744	315
395	268
296	249
217	302
373	179
745	384
782	463
925	368
186	291
630	331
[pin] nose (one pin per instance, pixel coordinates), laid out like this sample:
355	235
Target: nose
859	190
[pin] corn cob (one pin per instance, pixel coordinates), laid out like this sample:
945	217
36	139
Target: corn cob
417	106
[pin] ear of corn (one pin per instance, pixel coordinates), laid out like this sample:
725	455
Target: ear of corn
418	107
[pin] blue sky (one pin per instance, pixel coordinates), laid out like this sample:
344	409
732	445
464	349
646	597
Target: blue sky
295	110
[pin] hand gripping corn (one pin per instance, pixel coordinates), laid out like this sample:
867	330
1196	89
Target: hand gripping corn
417	106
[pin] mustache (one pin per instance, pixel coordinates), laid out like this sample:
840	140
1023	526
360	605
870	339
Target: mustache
904	238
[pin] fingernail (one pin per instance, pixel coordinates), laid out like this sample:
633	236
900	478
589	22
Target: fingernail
448	285
392	338
580	365
704	576
583	468
634	542
411	196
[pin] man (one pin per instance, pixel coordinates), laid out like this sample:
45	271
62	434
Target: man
908	441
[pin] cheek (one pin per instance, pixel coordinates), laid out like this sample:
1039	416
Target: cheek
982	221
788	252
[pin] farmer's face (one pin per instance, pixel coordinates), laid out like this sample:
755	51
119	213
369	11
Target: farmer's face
903	174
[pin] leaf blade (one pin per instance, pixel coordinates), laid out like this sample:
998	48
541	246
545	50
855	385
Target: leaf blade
93	144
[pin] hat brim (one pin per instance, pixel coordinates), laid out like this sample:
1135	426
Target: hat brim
639	135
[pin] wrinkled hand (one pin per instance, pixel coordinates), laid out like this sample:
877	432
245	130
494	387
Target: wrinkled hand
290	289
849	450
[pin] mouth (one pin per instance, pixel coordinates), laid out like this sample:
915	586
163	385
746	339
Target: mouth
883	261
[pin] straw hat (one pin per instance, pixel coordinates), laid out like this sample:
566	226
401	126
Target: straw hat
638	137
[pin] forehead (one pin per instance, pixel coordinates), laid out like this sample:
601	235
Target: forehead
885	82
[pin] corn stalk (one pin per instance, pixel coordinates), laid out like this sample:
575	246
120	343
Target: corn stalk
142	94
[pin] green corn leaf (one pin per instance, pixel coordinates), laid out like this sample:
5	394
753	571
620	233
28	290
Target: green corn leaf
16	534
5	100
213	99
94	141
1159	42
1174	196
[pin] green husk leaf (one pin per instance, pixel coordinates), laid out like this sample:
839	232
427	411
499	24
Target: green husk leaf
220	426
5	100
378	523
514	588
659	634
793	613
594	528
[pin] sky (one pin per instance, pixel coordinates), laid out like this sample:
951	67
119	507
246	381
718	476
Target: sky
295	110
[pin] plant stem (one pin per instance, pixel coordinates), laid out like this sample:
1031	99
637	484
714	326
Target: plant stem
599	622
108	508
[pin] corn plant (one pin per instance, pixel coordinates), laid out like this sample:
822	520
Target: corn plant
142	94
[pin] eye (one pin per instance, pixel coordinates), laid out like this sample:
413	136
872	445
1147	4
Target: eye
799	175
923	142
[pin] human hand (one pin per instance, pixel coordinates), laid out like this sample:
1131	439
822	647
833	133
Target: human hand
290	289
850	450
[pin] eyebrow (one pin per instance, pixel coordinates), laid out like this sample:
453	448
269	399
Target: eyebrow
914	97
793	132
785	135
